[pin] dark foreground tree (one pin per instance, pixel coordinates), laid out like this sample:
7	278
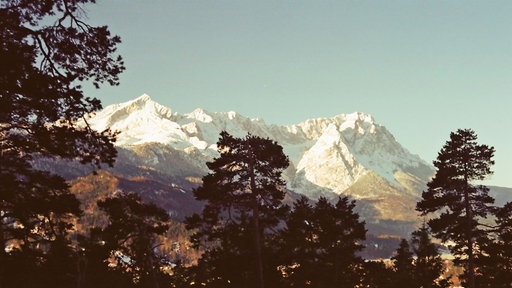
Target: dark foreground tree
429	268
376	275
125	252
460	204
403	266
46	51
243	195
297	243
496	265
320	243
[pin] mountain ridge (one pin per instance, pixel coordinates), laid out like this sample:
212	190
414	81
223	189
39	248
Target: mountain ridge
328	156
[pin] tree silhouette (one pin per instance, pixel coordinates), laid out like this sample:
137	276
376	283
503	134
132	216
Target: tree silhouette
428	263
461	204
128	244
243	195
297	243
320	244
376	275
496	264
403	266
46	51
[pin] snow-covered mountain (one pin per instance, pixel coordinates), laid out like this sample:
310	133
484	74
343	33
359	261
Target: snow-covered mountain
347	154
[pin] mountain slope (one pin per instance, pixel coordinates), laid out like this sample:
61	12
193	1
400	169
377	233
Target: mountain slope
348	154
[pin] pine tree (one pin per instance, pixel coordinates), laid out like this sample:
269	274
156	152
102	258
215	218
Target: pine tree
46	51
403	265
376	274
340	233
298	245
496	265
428	263
461	204
128	243
243	195
320	244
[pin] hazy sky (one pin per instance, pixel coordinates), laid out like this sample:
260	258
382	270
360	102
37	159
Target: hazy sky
421	68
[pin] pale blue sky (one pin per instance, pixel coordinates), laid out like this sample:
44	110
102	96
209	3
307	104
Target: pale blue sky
421	68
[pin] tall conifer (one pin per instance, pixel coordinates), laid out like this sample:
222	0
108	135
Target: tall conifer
243	195
459	203
429	266
403	265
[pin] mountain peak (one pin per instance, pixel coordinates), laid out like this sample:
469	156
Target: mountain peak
200	115
358	117
361	117
143	98
357	121
144	102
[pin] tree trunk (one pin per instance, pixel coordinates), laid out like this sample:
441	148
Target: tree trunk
257	243
469	235
471	265
256	221
3	254
152	273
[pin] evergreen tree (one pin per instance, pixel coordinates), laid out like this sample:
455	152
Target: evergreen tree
297	243
496	266
320	244
375	274
403	265
46	51
243	195
460	204
428	263
340	233
130	239
93	265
